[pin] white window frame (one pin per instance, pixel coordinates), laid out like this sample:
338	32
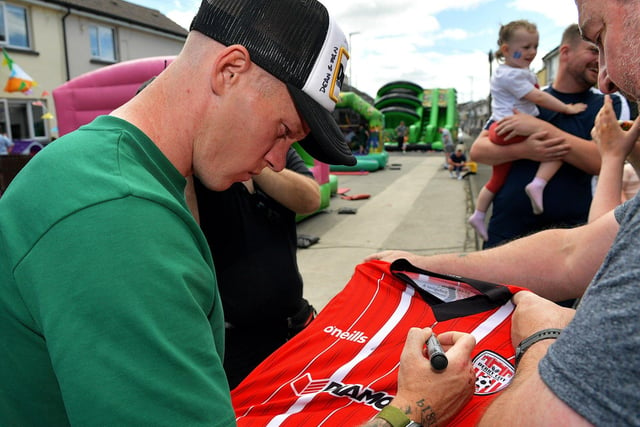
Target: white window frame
29	119
98	30
6	37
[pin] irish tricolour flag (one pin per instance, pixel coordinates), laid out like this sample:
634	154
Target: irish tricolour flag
19	81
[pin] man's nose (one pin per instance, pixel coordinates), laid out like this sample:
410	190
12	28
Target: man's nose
277	156
604	81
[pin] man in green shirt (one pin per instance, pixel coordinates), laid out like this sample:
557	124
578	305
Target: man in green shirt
109	307
108	298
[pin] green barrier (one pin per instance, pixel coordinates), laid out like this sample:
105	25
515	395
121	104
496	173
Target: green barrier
325	199
333	184
361	165
381	158
438	146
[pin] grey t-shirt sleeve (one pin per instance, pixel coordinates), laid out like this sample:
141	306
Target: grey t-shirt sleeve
296	163
620	211
594	366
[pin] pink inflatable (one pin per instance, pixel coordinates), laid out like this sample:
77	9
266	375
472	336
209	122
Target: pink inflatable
85	97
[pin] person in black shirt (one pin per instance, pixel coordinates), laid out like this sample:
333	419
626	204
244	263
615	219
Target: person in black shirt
251	231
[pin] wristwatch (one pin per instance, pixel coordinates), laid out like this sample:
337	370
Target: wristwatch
544	334
396	418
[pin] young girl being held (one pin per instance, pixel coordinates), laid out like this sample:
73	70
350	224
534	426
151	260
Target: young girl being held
514	87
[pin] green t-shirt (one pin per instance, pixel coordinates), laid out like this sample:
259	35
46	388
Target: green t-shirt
109	307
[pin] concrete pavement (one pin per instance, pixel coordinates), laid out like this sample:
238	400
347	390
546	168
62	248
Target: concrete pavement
417	208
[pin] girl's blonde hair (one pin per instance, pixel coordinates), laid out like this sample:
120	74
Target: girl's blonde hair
507	31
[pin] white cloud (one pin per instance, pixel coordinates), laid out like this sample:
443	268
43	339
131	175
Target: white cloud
561	12
453	34
182	18
468	72
179	11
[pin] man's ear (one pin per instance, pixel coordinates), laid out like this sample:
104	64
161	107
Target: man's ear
231	62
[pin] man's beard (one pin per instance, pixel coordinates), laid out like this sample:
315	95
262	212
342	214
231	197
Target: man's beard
586	75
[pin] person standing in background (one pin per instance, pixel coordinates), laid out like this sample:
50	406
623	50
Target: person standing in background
401	133
361	139
6	145
251	230
448	147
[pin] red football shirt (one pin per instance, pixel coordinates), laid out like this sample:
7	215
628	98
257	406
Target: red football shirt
342	369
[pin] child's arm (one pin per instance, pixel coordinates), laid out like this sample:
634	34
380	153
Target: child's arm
614	145
543	99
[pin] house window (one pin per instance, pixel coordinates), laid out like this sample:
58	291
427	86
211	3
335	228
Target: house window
23	119
103	46
14	29
553	69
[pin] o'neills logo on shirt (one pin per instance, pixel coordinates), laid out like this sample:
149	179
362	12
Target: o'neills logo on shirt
355	336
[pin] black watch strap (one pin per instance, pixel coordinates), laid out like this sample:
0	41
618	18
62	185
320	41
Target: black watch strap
544	334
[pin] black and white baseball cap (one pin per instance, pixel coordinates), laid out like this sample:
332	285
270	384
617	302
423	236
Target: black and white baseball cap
298	43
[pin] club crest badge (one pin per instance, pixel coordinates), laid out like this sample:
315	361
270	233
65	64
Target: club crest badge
493	372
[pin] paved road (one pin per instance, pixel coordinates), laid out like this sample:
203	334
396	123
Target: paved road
417	207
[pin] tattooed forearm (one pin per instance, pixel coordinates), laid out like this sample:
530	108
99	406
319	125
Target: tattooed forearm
427	414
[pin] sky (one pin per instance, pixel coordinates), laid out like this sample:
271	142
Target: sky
434	44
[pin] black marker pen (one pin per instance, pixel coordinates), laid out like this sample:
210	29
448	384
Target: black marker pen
437	357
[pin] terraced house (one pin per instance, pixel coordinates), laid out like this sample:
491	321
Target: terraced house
55	41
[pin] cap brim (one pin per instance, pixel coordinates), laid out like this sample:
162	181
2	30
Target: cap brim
325	142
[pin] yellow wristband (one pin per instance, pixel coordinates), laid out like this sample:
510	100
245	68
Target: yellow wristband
395	417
